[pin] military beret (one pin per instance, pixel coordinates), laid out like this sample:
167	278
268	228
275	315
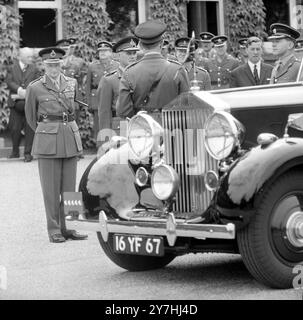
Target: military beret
281	31
104	45
126	44
51	54
183	43
219	41
206	36
66	42
150	32
242	42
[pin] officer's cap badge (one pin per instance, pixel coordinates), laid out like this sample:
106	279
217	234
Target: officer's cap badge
274	31
52	54
132	43
205	36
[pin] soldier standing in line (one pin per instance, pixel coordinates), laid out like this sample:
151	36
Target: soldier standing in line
198	73
50	111
96	70
243	56
152	82
108	89
221	65
287	66
205	49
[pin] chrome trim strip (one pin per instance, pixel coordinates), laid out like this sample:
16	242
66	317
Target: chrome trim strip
169	228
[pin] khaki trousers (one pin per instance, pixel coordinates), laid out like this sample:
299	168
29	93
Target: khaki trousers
57	175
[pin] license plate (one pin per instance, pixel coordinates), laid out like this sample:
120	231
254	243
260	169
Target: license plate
137	244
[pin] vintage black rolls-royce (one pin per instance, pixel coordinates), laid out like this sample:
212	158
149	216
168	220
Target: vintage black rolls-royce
219	171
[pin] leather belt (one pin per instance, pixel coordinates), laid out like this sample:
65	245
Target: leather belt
56	118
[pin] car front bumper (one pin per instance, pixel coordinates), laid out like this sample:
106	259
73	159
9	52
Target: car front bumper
170	228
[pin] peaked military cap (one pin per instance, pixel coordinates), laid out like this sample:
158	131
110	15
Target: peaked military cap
219	41
66	42
242	43
150	32
281	31
126	44
104	45
183	43
206	36
51	54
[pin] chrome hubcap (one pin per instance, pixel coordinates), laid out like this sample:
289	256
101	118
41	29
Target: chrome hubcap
294	229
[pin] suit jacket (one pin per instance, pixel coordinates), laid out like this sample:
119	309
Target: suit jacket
52	139
243	77
95	72
16	78
150	83
287	72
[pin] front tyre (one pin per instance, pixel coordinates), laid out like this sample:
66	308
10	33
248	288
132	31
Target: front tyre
271	245
133	262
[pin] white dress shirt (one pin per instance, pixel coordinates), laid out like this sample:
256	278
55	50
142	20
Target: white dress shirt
252	67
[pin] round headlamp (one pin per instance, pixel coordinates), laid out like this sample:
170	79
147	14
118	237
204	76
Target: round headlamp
165	182
144	135
222	134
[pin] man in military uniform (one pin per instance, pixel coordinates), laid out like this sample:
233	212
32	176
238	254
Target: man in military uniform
221	65
50	111
287	66
198	76
108	89
96	70
152	82
243	56
205	49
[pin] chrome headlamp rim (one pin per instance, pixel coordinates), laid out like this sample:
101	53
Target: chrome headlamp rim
154	127
236	130
175	182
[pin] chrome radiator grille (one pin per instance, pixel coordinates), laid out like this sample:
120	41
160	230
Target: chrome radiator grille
185	152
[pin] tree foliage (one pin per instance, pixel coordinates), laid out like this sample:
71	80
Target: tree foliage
9	39
243	19
173	14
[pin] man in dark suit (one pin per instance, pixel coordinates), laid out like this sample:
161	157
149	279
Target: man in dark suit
19	75
50	111
254	71
152	82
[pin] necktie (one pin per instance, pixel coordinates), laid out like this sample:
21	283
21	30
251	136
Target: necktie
256	76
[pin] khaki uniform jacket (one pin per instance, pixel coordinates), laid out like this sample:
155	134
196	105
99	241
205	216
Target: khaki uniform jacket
287	71
95	72
220	71
108	92
150	84
52	139
201	75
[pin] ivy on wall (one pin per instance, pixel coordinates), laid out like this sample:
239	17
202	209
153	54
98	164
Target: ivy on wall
173	13
244	19
88	21
9	40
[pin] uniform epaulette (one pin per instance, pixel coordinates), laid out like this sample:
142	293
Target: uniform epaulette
131	65
111	73
174	61
202	69
32	82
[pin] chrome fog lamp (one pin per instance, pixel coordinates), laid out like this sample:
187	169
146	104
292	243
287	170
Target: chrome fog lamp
223	133
165	182
144	134
211	180
141	177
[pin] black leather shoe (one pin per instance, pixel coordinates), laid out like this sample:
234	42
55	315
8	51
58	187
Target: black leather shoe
13	156
74	235
28	158
56	238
